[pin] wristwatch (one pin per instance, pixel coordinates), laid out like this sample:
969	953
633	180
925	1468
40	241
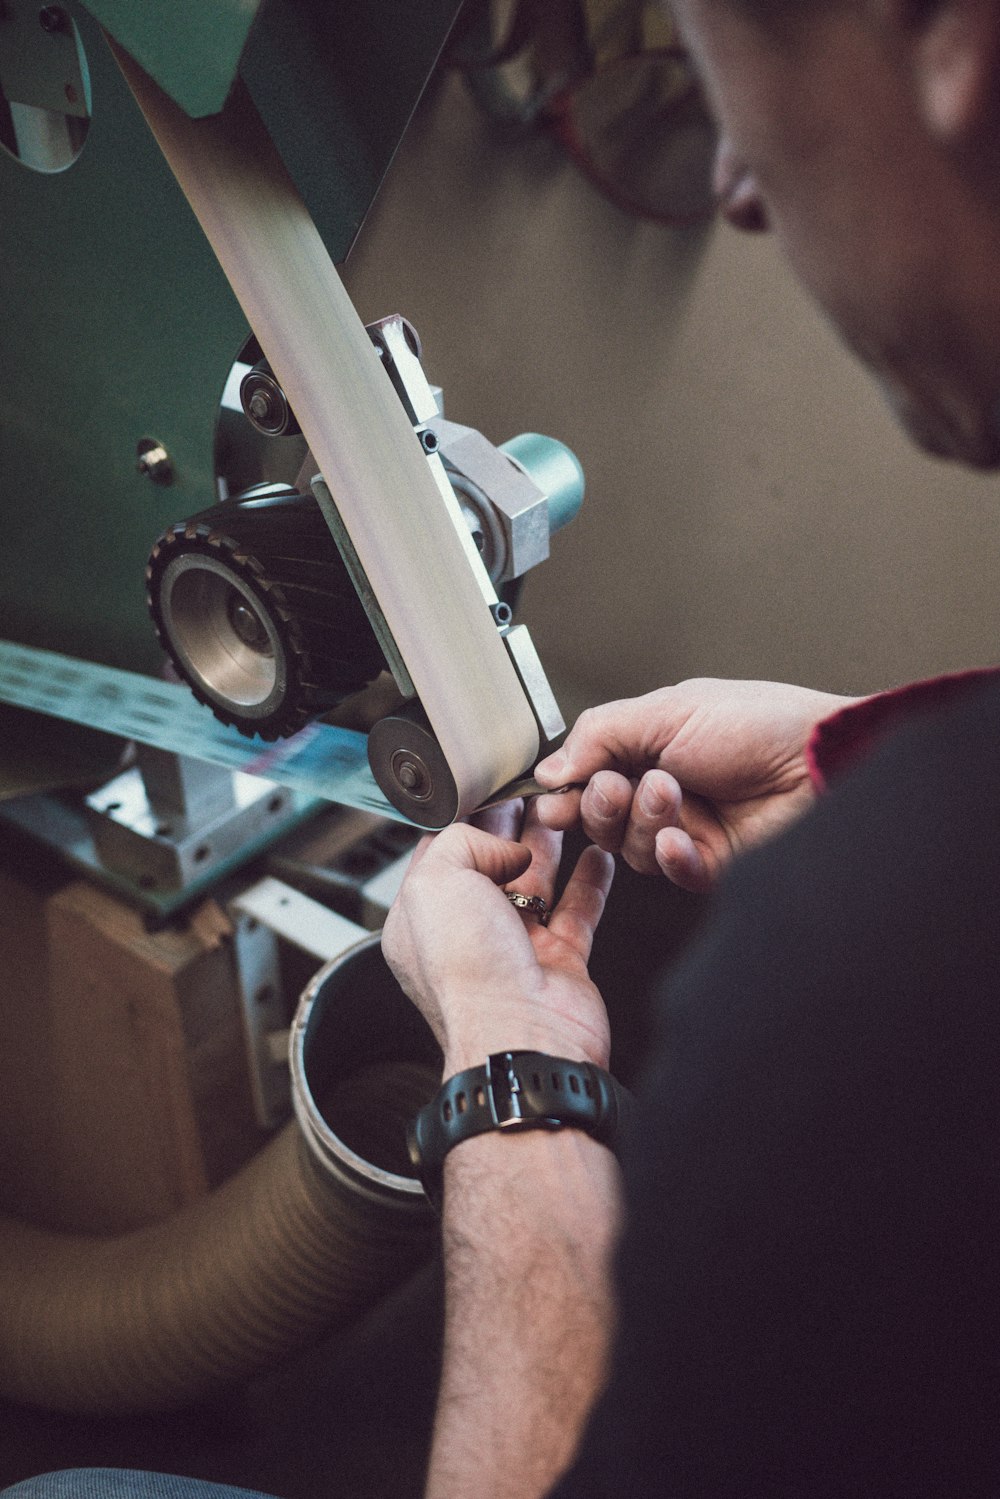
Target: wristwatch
515	1090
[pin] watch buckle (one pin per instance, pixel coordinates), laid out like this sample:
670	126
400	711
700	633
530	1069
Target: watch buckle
503	1095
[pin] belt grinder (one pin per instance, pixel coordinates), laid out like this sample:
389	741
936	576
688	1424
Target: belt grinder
402	530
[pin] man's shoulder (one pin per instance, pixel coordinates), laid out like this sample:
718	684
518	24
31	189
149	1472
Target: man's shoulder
878	908
922	810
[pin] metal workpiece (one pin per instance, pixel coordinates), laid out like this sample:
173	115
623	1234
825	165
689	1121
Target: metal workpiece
512	510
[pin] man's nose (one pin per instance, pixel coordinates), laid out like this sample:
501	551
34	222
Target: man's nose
739	198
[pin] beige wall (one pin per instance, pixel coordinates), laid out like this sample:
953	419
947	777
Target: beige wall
751	510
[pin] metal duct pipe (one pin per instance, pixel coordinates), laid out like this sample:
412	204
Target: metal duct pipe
295	1245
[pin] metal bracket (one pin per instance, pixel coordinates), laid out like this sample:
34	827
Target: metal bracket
531	675
512	511
398	346
266	913
363	588
173	820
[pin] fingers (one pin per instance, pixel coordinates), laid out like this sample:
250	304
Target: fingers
683	862
602	807
581	905
559	812
421	849
503	821
656	805
502	844
545	847
625	817
614	734
463	847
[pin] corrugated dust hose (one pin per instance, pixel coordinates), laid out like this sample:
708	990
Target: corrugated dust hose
295	1245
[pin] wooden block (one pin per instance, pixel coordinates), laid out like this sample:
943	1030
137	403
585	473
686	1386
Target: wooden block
136	1097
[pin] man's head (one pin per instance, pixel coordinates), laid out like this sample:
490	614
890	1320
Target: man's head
866	134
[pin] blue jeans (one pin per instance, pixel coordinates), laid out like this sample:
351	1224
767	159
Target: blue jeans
121	1483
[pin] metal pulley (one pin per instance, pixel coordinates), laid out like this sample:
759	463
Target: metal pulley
410	767
265	404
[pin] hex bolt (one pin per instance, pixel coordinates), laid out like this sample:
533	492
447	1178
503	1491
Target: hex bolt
411	774
53	18
260	406
429	440
265	403
153	461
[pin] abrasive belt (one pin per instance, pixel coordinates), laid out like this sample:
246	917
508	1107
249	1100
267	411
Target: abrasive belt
320	760
364	445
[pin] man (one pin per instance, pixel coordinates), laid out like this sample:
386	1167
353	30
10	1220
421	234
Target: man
805	1298
804	1301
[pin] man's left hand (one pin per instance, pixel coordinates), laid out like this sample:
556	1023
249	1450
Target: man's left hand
485	976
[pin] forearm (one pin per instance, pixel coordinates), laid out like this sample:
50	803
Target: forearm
529	1230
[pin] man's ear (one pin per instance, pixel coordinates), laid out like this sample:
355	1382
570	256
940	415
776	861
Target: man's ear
954	51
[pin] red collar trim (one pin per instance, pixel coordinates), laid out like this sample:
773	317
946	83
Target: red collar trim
849	735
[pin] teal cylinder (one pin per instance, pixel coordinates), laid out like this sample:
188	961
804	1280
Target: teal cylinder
556	470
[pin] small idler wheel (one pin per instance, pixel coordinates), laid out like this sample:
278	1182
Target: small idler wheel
411	770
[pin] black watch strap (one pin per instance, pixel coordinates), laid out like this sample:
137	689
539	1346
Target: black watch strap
515	1090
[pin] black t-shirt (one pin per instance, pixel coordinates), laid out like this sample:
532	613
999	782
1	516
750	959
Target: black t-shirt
810	1279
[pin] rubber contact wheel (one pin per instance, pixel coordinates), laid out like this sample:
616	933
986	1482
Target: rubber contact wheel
253	605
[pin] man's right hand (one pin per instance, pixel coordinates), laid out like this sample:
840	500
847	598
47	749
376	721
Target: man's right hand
683	778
